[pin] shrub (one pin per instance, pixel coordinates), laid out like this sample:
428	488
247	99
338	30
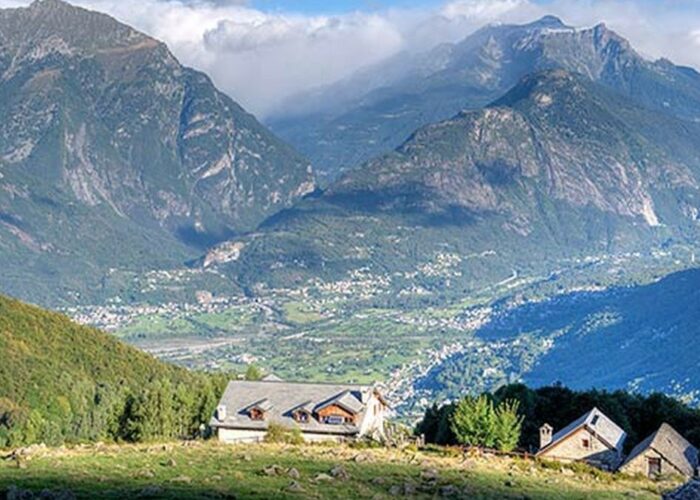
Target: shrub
277	433
253	373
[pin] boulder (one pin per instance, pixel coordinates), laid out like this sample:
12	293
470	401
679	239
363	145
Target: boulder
339	472
273	470
295	486
430	475
146	473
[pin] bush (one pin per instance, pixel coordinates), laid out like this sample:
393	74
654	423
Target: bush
277	433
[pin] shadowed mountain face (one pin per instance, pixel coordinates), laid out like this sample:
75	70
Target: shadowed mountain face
112	154
558	167
376	110
642	338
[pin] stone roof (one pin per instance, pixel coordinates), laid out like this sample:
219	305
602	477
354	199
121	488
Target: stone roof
345	400
672	446
263	405
283	398
597	423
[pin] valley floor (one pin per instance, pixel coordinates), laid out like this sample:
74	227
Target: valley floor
212	470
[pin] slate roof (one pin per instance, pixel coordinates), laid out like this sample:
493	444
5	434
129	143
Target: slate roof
598	423
672	446
263	405
345	400
285	397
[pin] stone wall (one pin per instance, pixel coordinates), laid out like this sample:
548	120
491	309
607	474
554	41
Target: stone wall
572	449
640	464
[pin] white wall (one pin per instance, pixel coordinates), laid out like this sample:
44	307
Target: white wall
250	436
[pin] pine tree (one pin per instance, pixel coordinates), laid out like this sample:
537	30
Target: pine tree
474	422
508	425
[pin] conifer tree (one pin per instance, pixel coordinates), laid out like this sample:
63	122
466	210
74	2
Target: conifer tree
508	425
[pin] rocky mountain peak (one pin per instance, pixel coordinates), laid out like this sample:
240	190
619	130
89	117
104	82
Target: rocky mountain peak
548	21
75	27
51	6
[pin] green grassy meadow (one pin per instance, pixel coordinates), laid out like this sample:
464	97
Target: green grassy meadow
213	470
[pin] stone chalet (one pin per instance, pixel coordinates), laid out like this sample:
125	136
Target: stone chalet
321	411
592	438
665	452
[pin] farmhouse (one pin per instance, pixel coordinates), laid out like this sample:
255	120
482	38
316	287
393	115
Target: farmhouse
592	438
321	411
664	452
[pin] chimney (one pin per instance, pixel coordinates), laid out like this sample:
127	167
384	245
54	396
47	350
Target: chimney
221	413
545	435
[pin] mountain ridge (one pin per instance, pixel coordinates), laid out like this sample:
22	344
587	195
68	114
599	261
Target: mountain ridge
560	167
111	144
424	88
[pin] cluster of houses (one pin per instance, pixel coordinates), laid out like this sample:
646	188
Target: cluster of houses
346	412
596	439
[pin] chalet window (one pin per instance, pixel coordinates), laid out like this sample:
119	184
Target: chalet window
654	466
335	420
256	414
301	416
586	443
595	420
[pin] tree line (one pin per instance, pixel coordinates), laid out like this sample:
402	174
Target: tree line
475	421
158	409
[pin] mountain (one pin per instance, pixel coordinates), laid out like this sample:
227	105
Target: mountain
641	338
375	110
60	381
559	167
113	155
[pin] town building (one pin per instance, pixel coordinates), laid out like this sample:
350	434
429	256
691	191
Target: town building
665	452
592	438
320	411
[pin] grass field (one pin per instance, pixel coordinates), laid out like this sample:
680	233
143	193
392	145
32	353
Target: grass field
212	470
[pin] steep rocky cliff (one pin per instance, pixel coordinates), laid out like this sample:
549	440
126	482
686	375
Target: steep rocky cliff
113	154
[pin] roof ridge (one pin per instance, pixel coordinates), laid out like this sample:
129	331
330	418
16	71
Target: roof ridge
299	382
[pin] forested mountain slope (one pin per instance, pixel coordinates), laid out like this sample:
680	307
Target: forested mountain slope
63	382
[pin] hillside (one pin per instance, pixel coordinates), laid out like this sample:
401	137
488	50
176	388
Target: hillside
206	470
639	338
558	168
63	382
115	156
374	111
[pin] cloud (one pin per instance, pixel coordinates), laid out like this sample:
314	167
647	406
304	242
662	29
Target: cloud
261	58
